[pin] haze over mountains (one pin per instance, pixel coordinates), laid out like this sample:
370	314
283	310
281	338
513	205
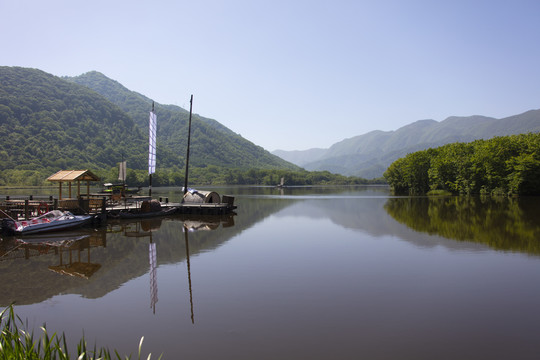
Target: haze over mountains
369	155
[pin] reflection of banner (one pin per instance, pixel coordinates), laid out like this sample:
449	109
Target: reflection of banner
152	143
122	171
153	275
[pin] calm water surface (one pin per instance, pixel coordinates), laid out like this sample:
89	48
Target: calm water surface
298	273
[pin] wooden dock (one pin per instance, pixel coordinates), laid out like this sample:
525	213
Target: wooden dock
31	206
180	208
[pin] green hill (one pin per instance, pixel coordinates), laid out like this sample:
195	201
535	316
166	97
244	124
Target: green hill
212	143
48	123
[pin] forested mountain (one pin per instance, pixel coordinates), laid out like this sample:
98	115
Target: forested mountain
369	155
212	143
48	123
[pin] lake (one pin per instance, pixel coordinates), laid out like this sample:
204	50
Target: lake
297	273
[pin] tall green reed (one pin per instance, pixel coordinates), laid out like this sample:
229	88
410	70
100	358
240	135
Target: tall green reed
17	343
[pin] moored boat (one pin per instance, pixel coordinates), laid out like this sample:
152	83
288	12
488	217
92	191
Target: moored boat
54	220
141	214
110	188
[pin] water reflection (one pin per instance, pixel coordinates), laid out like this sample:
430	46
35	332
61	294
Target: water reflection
312	274
94	262
502	223
186	231
69	249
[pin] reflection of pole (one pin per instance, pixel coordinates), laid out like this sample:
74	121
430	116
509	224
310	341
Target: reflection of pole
189	275
153	274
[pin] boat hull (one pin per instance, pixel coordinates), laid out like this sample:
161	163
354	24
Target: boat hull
46	224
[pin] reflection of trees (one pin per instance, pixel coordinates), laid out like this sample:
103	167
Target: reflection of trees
504	224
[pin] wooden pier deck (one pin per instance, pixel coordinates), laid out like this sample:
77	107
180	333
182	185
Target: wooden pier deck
29	207
181	208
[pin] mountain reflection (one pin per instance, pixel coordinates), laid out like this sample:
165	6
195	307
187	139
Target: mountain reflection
505	223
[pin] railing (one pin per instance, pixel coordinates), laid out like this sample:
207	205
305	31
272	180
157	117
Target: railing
30	206
25	206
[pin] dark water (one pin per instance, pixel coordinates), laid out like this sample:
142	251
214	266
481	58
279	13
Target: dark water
301	273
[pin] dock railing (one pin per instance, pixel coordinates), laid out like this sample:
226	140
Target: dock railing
25	206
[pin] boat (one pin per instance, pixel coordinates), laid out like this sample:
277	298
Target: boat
54	220
140	214
199	202
110	188
121	187
148	209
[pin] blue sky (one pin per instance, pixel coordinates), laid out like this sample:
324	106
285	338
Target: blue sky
294	75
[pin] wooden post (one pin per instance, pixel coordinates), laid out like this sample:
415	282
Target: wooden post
26	210
103	208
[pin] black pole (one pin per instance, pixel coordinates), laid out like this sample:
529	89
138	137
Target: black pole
188	140
150	175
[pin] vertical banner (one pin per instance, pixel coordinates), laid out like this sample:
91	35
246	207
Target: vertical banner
122	171
152	143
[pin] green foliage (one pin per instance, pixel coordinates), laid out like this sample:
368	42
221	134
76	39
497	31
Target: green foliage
499	166
211	142
16	342
49	124
219	175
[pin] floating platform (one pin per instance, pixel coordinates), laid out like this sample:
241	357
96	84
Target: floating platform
129	207
170	208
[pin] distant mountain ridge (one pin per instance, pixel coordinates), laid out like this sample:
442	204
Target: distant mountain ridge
370	154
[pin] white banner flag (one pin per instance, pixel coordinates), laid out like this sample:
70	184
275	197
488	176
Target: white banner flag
122	171
152	143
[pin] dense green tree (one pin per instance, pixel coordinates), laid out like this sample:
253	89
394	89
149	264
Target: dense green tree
502	165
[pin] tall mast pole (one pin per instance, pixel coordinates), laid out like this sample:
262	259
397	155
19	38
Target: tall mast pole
188	141
150	175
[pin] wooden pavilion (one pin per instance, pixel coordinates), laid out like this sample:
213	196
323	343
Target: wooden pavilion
71	176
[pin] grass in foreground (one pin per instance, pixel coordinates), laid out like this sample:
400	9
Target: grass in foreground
18	343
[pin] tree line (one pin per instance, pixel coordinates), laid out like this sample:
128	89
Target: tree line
505	165
210	175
